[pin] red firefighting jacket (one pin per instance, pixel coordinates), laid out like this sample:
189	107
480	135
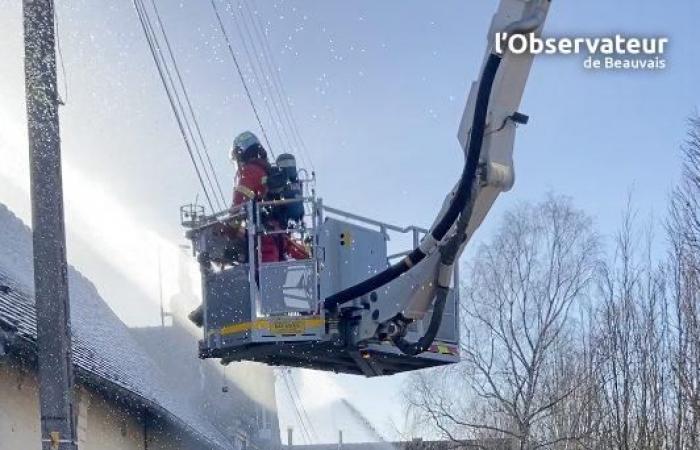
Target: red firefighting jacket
251	181
251	184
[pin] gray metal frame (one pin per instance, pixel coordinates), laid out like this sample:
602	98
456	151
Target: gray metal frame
449	331
250	337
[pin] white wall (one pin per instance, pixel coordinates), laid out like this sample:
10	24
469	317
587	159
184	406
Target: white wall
102	425
19	409
105	426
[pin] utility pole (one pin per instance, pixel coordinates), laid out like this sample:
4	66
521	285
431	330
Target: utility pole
49	240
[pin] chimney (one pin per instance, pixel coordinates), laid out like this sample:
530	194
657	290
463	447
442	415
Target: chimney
290	436
340	439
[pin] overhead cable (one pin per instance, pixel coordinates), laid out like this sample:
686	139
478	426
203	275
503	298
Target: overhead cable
166	80
216	183
234	58
280	90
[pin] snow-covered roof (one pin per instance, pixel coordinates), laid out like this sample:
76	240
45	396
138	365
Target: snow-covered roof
104	351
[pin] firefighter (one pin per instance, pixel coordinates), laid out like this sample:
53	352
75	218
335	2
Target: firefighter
255	180
253	168
251	184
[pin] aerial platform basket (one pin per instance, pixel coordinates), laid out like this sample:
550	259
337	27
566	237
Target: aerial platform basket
272	312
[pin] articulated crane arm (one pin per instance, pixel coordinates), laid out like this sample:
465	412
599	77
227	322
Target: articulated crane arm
406	291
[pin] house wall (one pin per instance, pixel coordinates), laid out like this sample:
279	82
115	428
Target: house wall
105	426
102	425
19	409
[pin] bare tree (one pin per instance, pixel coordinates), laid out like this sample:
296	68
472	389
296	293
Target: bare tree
568	351
684	275
629	343
685	203
517	344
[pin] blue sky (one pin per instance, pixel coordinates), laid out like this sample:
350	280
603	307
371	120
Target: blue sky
377	89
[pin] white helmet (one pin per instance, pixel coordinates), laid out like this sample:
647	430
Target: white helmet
242	142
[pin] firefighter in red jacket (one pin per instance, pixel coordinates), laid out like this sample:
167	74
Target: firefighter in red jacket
253	168
251	184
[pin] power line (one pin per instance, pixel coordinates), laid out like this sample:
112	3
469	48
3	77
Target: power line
240	74
161	66
186	120
191	110
254	70
269	85
305	431
273	85
301	405
278	84
281	91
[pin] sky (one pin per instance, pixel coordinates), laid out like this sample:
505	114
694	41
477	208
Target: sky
377	89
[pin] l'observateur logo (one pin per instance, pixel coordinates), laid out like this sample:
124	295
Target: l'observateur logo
616	52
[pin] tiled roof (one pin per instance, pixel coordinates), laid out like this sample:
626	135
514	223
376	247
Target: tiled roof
103	349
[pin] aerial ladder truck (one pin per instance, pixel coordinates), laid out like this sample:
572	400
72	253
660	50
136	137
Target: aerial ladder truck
351	307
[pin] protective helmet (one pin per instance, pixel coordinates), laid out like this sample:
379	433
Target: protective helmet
246	145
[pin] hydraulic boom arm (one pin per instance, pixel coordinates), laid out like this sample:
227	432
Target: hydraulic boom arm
407	290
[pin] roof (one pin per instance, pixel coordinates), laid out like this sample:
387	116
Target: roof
219	392
104	352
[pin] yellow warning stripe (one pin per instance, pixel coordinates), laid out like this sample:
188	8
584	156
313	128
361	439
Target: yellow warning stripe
242	327
444	349
266	324
245	191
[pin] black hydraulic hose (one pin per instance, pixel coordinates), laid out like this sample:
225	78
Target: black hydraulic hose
476	140
464	189
424	343
448	256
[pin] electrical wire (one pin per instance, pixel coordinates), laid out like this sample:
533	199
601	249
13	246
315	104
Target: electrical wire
285	378
178	98
216	182
240	74
270	84
176	103
258	52
303	409
256	67
163	73
261	62
278	85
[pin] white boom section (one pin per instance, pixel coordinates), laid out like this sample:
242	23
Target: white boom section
507	93
412	294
